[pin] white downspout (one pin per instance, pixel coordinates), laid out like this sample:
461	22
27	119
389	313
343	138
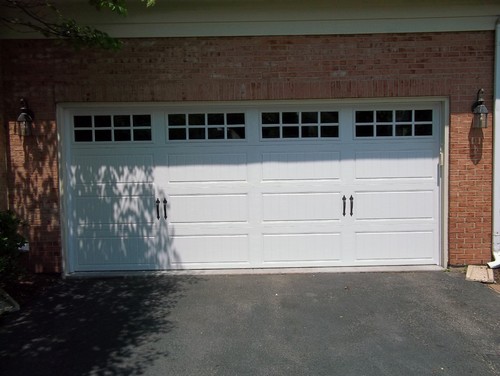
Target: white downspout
496	153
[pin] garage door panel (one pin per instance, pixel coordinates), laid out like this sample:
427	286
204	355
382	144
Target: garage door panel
145	190
96	230
301	166
395	205
290	207
184	168
301	247
115	250
188	251
97	169
397	246
208	208
115	209
402	164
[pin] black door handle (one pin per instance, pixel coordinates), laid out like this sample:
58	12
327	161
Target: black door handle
165	208
343	205
351	199
158	208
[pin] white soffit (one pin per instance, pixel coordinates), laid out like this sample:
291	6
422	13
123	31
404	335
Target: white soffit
189	18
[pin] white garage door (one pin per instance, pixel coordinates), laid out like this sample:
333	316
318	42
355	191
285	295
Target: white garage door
251	187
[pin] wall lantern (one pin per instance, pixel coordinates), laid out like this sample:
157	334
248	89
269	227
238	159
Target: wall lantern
25	119
480	112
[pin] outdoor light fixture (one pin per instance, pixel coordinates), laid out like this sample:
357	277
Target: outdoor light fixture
25	119
480	112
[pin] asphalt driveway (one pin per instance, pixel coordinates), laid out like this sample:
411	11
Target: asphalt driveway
422	323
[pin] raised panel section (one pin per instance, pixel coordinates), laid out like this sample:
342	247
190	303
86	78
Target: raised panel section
404	245
115	251
403	205
116	230
301	166
115	189
112	169
208	249
301	206
301	247
416	164
208	208
114	209
207	167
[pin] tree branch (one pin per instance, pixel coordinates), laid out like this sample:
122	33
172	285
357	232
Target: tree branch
45	18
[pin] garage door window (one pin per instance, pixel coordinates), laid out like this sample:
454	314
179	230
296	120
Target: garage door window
393	123
300	125
112	128
206	126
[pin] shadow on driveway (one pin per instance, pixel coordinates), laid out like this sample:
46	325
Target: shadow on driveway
91	327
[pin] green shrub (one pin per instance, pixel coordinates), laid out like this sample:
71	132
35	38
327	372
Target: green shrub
10	242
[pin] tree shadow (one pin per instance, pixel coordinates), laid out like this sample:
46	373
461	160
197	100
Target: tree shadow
92	327
34	193
111	213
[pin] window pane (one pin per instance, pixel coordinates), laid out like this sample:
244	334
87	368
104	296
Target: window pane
290	132
197	133
309	117
364	116
215	133
236	133
403	116
177	119
142	120
384	116
290	117
177	134
215	119
330	117
423	115
83	136
103	135
423	129
82	121
384	130
102	121
121	121
329	131
271	132
364	131
310	131
236	118
142	134
196	119
122	135
270	118
403	129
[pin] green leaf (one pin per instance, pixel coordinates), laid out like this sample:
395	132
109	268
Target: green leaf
117	6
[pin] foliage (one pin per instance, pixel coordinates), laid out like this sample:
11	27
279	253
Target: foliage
10	242
44	17
117	6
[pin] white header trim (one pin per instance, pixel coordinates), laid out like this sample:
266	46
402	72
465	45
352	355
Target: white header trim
320	27
184	18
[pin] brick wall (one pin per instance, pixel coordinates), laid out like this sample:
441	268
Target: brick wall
3	146
453	65
3	165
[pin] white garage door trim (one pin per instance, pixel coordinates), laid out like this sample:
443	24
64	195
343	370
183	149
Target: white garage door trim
273	226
